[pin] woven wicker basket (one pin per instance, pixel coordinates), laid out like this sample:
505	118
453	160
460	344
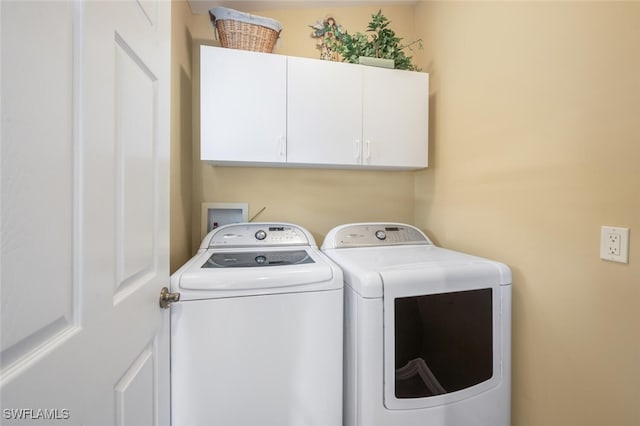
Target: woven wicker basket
244	31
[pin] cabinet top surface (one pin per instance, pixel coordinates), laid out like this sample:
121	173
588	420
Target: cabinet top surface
245	53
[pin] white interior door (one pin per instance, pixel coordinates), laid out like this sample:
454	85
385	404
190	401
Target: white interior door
84	214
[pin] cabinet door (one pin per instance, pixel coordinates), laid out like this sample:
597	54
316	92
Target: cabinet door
395	118
242	106
324	112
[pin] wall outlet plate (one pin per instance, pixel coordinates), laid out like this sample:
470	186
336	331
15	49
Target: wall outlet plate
614	244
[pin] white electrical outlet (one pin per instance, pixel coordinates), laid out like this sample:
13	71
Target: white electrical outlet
614	244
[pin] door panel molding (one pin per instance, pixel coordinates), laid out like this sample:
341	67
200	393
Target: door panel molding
41	184
135	392
136	96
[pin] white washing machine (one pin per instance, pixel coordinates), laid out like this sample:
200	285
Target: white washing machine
256	338
427	330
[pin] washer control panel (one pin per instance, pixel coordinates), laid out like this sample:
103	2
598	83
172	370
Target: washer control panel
259	234
374	234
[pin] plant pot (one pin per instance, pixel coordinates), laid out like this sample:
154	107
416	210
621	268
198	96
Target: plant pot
376	62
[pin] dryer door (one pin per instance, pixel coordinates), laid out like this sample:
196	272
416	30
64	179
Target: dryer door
442	334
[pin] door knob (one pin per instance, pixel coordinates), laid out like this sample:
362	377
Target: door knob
167	298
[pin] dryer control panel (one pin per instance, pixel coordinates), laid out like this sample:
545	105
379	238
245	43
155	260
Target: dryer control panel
258	235
374	235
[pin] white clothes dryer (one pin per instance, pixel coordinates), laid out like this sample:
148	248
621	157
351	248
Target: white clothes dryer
256	338
427	330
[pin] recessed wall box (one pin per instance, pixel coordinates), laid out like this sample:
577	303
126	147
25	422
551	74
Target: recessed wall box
218	214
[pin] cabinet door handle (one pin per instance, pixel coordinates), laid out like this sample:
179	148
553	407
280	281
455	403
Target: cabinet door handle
283	147
358	150
367	151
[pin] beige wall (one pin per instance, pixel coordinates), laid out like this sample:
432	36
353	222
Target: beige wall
316	199
535	143
181	136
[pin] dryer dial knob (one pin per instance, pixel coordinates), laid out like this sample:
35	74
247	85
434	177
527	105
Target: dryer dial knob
381	235
261	235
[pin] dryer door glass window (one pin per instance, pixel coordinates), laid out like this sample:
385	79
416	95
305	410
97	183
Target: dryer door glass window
443	342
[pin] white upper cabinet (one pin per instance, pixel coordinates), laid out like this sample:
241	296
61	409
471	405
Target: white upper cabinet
242	106
324	112
395	118
264	109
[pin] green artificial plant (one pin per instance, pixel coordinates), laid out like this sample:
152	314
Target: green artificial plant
379	42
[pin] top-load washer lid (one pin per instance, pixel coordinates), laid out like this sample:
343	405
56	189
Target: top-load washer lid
256	259
372	260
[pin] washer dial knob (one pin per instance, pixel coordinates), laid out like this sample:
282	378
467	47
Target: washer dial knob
381	235
261	235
